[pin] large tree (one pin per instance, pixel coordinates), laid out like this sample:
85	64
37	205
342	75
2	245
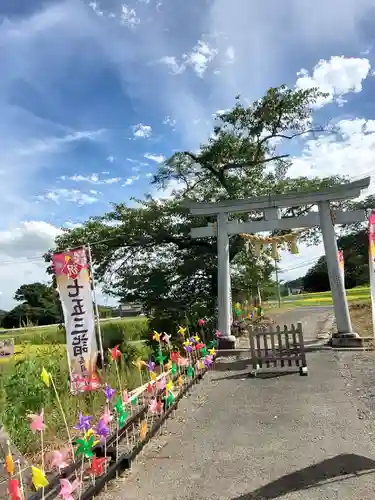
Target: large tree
356	263
39	305
145	253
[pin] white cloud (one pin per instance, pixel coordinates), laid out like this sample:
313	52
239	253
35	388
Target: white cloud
172	64
230	54
129	16
91	178
141	131
111	159
169	121
155	158
349	150
70	195
336	77
130	180
200	57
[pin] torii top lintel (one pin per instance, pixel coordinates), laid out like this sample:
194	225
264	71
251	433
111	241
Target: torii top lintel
299	198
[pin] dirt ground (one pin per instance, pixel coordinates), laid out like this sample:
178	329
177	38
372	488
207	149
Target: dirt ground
361	319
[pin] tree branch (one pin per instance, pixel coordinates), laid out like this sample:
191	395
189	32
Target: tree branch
252	163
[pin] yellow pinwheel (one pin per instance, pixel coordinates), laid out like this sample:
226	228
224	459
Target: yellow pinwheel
38	478
182	331
139	363
168	366
212	351
169	386
156	336
45	376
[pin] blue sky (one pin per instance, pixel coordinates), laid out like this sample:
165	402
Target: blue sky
94	94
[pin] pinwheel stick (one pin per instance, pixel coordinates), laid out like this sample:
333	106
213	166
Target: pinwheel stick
118	376
21	480
42	447
63	415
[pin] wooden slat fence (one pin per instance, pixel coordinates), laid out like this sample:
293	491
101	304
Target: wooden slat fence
272	347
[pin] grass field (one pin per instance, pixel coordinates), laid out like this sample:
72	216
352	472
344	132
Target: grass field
359	294
22	390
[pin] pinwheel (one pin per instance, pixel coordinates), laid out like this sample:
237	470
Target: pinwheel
37	422
96	468
169	386
68	488
109	392
85	446
116	354
161	383
169	400
102	430
83	423
156	336
38	478
58	459
14	490
143	430
181	331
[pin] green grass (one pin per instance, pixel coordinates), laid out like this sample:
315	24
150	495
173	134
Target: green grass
358	294
22	391
113	332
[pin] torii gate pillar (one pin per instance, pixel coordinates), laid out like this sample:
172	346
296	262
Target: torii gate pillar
269	205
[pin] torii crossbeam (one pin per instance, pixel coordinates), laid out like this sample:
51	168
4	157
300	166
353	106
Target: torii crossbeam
270	207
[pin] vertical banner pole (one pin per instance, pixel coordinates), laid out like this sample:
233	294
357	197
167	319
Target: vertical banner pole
371	254
98	327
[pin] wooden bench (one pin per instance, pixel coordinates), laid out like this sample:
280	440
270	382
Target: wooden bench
275	349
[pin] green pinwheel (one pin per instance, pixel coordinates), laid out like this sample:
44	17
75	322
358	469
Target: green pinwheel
133	400
169	399
203	352
190	371
174	369
122	415
85	446
160	357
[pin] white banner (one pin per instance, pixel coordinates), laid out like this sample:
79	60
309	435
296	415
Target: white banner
73	283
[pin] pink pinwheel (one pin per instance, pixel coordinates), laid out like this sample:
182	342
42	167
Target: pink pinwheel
161	383
107	416
183	361
125	396
37	422
58	459
201	322
155	406
218	334
68	488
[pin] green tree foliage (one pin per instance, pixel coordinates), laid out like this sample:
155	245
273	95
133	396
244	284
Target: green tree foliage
40	305
144	253
355	248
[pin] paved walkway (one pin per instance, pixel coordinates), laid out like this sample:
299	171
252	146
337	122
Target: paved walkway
236	438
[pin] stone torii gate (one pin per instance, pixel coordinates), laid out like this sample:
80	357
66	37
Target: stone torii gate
270	207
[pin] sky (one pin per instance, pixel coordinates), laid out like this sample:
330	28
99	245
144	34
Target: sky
94	95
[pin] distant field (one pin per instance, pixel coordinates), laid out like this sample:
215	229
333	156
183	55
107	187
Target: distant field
358	294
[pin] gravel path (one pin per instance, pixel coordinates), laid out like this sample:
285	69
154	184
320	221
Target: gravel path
287	437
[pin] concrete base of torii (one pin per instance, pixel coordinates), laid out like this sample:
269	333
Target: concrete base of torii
228	342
